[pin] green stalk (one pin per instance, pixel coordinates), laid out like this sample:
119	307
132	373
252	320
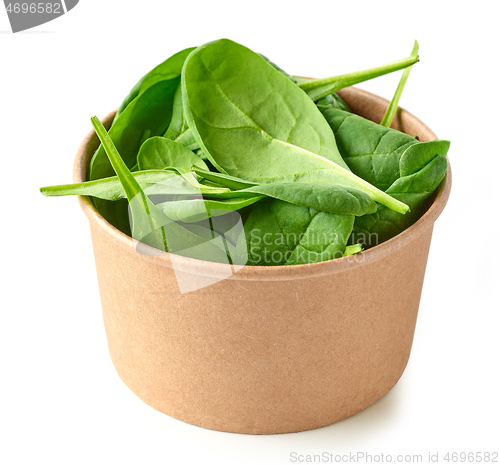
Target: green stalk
353	249
355	181
393	106
318	88
111	188
143	221
129	183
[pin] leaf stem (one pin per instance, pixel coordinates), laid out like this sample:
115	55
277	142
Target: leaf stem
319	88
353	249
393	106
129	183
355	181
139	206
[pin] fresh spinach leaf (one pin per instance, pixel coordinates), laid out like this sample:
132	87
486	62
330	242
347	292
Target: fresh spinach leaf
254	123
330	198
332	100
230	89
415	189
403	167
422	168
158	153
178	129
371	151
281	70
146	116
194	210
327	198
280	233
164	71
144	113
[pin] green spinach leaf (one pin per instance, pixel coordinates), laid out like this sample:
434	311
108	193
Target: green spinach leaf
254	123
415	189
179	129
375	155
158	153
327	198
144	113
164	71
333	100
146	116
280	233
195	210
403	167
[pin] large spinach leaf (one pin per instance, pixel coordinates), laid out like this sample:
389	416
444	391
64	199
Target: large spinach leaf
327	198
254	123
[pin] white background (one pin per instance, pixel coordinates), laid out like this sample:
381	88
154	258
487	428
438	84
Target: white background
61	402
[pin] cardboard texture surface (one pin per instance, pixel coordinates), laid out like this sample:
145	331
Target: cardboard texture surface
269	349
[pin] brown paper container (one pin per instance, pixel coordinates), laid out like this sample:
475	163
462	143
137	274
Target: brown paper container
269	349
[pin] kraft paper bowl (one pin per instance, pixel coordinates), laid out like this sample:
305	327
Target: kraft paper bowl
269	349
